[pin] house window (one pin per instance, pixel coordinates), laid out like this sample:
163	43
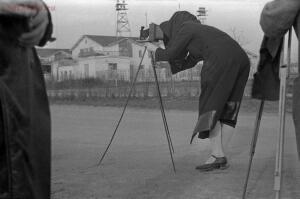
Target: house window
113	66
65	75
86	70
140	53
46	68
84	50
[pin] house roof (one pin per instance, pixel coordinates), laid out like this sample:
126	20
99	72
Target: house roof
47	52
67	62
118	41
103	40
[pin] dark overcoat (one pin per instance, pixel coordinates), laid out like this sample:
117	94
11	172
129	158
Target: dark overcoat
24	116
223	76
277	18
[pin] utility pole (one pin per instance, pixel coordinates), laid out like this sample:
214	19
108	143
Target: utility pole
122	19
202	14
123	27
146	15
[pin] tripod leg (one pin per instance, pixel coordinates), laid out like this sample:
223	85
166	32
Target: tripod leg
124	109
280	142
166	125
163	114
253	145
162	107
282	109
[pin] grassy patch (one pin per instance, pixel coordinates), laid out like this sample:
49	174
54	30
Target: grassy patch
180	103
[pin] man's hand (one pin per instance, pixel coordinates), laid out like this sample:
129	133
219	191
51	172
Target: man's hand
37	28
37	18
37	24
16	8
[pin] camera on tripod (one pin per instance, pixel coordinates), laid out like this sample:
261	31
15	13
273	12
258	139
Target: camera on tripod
152	34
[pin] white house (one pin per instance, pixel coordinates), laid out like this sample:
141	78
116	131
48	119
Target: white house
123	55
104	67
90	45
48	55
109	57
63	69
65	73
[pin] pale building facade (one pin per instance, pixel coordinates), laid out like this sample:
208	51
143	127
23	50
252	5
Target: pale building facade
109	58
103	67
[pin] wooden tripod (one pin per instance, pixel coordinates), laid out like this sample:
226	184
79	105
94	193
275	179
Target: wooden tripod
284	75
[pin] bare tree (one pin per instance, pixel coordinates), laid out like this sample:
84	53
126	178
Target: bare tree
238	36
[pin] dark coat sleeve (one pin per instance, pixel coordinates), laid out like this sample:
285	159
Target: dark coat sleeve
183	64
190	62
48	33
176	52
266	80
278	16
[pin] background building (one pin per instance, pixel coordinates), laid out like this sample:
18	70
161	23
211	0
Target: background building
111	58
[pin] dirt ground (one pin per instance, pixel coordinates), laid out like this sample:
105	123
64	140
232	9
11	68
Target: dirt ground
138	164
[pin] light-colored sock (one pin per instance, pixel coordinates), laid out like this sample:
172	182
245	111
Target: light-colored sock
210	160
216	143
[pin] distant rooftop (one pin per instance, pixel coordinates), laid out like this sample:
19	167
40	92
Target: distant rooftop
106	40
103	40
46	52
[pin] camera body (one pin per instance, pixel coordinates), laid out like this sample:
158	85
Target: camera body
153	34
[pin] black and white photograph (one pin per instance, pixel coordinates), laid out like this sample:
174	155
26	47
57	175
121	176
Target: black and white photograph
149	99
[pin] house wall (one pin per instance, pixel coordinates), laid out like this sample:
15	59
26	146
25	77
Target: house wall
137	52
54	70
65	73
60	55
101	67
86	43
112	68
125	48
46	59
111	50
85	68
146	74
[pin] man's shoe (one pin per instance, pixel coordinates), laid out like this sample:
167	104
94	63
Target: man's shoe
219	163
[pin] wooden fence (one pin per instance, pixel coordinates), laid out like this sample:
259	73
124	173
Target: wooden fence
141	90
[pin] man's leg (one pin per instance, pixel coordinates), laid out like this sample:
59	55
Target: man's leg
217	160
215	138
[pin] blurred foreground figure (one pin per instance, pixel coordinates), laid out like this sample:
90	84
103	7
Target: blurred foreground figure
277	18
24	110
223	77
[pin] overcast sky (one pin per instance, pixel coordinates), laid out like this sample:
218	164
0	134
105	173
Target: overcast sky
73	18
